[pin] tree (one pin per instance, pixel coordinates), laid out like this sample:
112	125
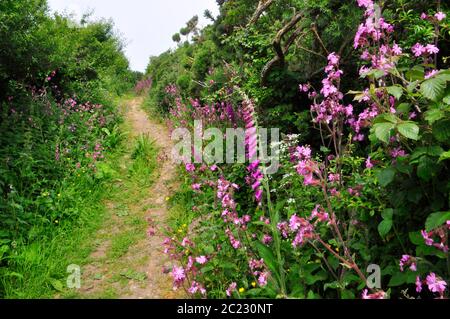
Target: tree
176	38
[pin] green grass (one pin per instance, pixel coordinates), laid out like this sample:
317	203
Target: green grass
123	241
37	267
144	163
34	268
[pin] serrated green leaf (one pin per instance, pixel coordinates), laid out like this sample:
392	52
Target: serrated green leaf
432	116
409	130
404	108
395	90
433	88
383	131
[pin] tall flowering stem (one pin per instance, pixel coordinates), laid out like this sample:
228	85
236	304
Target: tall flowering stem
260	184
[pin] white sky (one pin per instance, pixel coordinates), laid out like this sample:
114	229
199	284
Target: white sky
147	25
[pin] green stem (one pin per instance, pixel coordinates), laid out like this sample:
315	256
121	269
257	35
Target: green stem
276	237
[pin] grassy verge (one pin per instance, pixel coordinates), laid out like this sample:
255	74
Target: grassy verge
37	268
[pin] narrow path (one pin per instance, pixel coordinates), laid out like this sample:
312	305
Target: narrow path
127	262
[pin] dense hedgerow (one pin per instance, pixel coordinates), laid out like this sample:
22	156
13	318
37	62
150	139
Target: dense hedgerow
58	78
366	182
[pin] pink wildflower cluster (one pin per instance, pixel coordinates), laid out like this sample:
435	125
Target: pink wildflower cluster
143	86
181	274
408	261
225	191
437	17
331	108
306	167
305	228
374	33
171	89
435	284
215	113
231	289
442	233
420	50
259	270
197	288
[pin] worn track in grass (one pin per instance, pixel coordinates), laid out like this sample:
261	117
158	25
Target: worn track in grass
127	263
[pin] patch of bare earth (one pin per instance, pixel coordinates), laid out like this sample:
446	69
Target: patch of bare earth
144	260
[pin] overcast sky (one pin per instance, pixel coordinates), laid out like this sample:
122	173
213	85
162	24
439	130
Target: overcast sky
147	25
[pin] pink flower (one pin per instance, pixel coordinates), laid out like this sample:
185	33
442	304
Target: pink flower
398	152
440	16
377	295
196	287
428	240
262	279
319	213
418	284
213	168
431	49
424	16
186	242
190	167
201	260
333	58
334	178
304	87
231	288
295	222
178	275
396	49
196	187
431	74
436	284
365	3
284	229
151	232
267	239
407	260
369	164
418	49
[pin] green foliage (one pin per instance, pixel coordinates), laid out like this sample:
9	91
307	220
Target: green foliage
381	203
58	120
